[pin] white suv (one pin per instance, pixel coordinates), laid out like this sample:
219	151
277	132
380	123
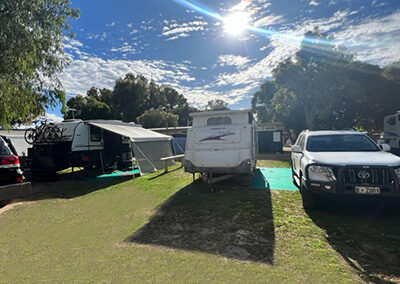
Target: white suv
343	163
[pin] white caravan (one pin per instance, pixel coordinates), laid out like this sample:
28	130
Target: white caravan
391	128
102	145
221	142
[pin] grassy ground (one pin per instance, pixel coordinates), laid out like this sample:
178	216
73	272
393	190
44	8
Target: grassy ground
162	228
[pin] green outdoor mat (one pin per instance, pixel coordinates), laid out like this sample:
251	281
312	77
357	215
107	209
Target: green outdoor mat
273	178
119	174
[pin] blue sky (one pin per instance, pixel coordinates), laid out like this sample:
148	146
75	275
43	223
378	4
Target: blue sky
194	52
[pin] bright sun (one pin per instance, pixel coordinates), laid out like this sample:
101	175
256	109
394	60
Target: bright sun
236	23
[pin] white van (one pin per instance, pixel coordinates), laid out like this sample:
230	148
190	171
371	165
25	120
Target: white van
391	128
221	142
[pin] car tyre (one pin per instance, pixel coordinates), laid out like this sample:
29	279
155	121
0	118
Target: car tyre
310	199
294	180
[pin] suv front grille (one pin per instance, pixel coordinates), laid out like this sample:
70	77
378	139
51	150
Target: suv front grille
360	175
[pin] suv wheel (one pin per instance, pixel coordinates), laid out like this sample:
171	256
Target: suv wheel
310	199
294	180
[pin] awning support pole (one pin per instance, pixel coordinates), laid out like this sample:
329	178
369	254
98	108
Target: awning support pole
101	160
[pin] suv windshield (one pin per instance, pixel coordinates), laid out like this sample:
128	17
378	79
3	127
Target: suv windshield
333	143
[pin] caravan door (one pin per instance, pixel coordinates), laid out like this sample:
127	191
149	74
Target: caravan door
87	138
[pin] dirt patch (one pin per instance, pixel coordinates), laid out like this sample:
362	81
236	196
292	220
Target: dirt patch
10	206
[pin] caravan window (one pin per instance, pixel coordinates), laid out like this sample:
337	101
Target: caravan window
392	120
219	120
95	134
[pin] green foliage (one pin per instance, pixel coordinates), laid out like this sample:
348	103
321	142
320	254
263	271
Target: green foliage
260	103
133	97
323	87
153	118
217	105
31	56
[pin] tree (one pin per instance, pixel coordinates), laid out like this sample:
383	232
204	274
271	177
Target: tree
317	77
157	118
131	97
261	101
131	94
183	111
89	107
324	87
31	56
157	98
217	105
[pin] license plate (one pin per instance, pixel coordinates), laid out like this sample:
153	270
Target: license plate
367	190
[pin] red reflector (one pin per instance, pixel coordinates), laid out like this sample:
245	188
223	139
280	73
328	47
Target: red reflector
85	159
10	160
19	179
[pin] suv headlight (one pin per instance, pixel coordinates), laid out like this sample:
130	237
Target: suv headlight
397	171
321	173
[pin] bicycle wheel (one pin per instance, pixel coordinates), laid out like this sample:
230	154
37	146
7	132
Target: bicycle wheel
50	134
59	133
30	135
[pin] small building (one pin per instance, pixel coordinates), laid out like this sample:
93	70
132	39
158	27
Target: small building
270	137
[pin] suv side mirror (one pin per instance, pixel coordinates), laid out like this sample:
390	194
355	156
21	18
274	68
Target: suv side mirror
296	149
385	147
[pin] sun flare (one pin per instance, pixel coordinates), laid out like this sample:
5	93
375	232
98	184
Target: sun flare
236	23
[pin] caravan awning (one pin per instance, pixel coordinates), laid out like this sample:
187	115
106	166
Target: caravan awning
133	131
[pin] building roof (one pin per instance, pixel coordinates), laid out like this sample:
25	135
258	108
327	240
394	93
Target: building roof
219	112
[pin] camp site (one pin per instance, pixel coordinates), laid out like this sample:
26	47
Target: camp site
182	141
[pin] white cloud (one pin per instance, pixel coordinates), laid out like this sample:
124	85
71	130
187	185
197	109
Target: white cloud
53	117
233	60
268	20
337	20
80	75
178	36
72	44
241	6
175	30
125	48
313	3
256	73
375	40
134	31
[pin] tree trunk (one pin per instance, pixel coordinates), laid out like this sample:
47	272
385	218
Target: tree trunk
309	118
292	135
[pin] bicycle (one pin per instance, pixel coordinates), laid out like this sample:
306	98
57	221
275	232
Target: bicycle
44	133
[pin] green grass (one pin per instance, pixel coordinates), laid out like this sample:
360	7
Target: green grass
161	228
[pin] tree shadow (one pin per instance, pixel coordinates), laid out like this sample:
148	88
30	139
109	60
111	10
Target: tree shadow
226	220
368	239
164	173
71	185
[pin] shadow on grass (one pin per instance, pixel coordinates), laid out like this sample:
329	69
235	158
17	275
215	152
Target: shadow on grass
72	185
230	221
164	173
368	240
